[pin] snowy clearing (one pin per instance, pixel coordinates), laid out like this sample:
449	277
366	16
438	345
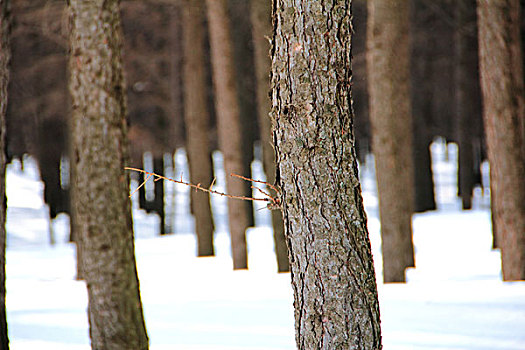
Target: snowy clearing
454	299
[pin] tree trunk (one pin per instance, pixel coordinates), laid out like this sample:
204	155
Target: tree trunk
388	59
333	277
504	116
197	121
102	206
158	201
245	78
228	124
5	56
468	99
262	28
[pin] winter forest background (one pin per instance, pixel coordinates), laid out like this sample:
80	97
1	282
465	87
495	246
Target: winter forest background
176	109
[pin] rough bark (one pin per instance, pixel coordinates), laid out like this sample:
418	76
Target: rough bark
102	206
5	56
197	121
262	30
468	95
333	279
388	59
501	66
228	124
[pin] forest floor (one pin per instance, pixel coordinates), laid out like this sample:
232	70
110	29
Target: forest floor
454	298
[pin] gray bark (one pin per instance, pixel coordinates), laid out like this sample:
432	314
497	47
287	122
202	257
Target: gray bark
102	207
333	279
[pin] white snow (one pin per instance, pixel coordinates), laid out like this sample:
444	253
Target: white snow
454	298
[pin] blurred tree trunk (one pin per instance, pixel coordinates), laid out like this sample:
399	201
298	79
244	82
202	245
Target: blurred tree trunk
262	29
5	56
388	60
501	67
333	277
102	206
245	80
197	121
228	124
158	201
468	98
422	72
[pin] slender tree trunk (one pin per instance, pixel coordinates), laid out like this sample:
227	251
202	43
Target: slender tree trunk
333	277
158	202
102	206
245	78
197	121
5	56
262	29
423	71
501	67
228	124
388	59
467	95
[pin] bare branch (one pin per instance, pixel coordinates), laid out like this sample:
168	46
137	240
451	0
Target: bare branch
273	201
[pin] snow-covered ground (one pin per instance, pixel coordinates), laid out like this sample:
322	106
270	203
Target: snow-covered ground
454	299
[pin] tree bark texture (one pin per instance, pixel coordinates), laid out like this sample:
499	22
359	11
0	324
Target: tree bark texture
261	12
333	279
228	124
5	56
504	117
388	62
468	96
197	121
102	206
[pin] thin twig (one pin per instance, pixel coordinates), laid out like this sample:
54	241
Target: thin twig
258	181
198	186
142	184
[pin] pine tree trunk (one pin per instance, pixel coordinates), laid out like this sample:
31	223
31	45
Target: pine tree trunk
262	29
467	95
102	206
158	202
501	67
422	72
228	124
5	56
388	59
333	277
197	121
245	77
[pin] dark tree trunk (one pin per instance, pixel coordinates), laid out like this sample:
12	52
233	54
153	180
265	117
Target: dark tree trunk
333	277
102	206
423	70
197	121
143	203
262	29
244	62
158	202
468	98
501	64
388	62
5	56
228	124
